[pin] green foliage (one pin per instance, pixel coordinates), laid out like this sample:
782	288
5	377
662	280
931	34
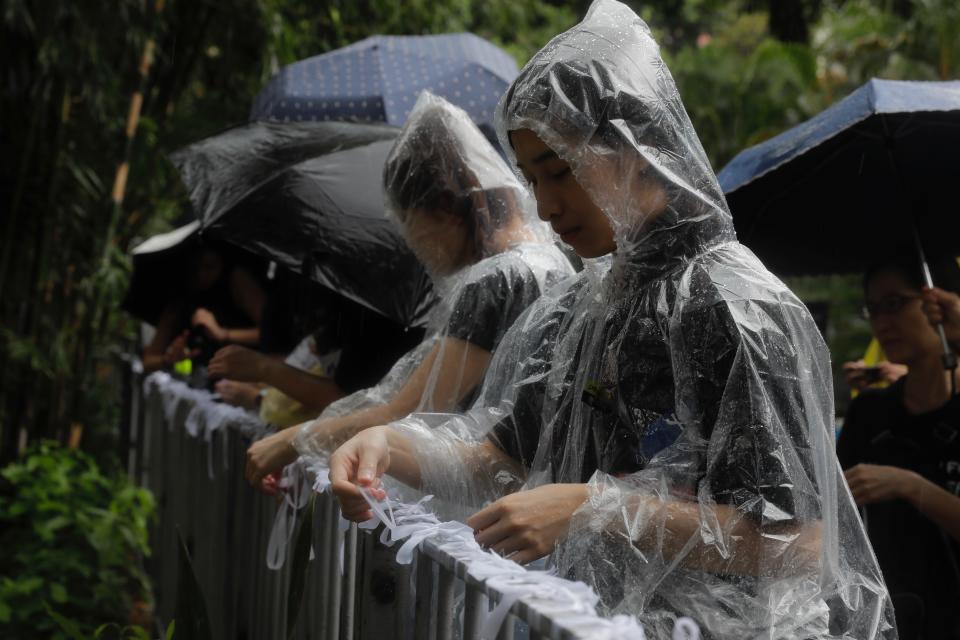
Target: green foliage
300	30
73	539
742	86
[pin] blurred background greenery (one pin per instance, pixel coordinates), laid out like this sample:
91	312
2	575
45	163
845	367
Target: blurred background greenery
747	69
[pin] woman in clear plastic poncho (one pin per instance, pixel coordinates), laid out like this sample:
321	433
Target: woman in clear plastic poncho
471	223
660	425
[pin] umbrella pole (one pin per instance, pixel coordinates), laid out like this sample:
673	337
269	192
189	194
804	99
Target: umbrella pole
949	358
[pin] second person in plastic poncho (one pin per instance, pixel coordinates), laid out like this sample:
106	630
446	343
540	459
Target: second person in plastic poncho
661	425
471	223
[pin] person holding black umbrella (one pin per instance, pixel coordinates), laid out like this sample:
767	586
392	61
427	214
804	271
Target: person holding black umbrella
215	301
470	223
900	447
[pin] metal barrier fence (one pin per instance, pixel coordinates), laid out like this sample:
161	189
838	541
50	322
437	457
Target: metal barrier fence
189	450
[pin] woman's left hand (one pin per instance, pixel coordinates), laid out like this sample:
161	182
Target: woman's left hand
526	525
270	455
870	483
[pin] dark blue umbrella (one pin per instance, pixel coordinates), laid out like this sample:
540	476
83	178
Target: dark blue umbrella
874	172
378	80
858	178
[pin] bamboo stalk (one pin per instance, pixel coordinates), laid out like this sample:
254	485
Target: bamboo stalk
96	315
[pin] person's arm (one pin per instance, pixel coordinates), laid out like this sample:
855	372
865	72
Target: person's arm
871	483
312	391
212	327
943	307
936	503
238	394
460	369
248	336
528	524
155	354
748	549
246	365
364	459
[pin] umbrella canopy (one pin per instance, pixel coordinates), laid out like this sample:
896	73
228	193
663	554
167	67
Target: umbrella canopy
309	196
828	194
378	80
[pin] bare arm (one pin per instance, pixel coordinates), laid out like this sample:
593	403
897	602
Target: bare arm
527	525
312	391
871	483
460	369
153	353
248	336
364	459
936	503
674	528
250	297
246	365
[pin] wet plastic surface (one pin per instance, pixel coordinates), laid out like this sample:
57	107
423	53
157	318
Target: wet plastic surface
308	196
680	380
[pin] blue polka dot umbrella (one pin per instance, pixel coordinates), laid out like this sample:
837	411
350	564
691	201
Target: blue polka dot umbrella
378	80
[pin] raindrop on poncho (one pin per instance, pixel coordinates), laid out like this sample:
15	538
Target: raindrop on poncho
443	169
680	380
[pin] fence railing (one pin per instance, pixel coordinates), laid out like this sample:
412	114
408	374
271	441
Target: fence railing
411	577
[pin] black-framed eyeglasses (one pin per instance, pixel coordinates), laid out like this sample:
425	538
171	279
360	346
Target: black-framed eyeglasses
890	305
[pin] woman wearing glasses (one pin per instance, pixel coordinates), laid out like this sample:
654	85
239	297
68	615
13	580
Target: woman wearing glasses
900	448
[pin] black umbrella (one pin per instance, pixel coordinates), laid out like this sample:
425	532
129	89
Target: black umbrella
309	196
161	266
873	171
865	174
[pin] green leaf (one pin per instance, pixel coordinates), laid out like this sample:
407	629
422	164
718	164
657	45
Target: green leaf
170	629
58	593
68	626
299	566
98	632
4	612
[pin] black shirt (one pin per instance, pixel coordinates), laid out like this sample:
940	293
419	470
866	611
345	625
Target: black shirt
369	349
486	306
918	560
630	398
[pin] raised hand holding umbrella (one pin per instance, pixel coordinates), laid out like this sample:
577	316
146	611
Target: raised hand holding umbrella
875	170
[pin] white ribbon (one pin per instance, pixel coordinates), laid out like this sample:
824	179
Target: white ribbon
686	629
295	489
414	524
409	524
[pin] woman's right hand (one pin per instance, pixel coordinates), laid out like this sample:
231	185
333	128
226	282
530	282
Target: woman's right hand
943	307
360	462
270	455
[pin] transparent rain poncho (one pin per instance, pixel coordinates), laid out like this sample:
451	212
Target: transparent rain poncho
680	380
442	171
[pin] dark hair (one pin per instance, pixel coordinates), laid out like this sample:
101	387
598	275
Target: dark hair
906	263
427	171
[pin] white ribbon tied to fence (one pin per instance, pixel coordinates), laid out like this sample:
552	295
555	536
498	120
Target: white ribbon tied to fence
413	523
